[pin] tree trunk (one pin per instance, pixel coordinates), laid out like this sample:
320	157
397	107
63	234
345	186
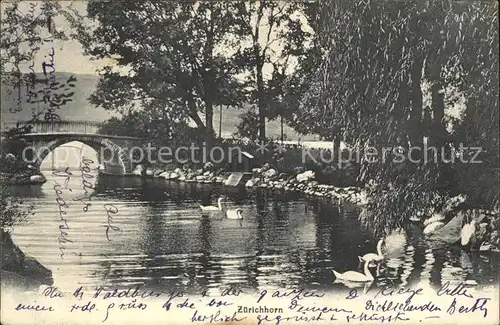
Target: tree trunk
438	132
416	102
437	93
193	113
416	132
261	104
209	115
336	147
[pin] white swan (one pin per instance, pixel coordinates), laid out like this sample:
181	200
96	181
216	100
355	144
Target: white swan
353	276
211	207
433	227
467	232
234	214
436	217
372	257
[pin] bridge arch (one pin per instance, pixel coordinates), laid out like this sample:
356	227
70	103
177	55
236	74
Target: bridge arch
43	137
100	145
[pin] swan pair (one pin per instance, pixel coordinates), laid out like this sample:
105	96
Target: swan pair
235	214
369	260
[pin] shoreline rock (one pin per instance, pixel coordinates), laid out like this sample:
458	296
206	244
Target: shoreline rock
301	181
15	171
305	182
22	178
20	271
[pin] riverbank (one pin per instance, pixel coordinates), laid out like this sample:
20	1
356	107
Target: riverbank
20	271
306	182
301	181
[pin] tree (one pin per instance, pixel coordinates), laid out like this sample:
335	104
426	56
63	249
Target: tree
22	36
302	89
248	126
152	128
376	56
174	52
13	210
274	33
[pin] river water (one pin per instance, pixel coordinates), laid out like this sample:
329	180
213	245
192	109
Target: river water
163	241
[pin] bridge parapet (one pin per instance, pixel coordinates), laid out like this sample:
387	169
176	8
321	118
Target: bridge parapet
82	127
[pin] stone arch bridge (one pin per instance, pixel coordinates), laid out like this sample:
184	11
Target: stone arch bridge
43	137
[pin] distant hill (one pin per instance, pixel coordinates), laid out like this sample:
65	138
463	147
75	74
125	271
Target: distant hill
81	109
78	109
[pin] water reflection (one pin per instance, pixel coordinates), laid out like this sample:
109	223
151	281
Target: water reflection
284	240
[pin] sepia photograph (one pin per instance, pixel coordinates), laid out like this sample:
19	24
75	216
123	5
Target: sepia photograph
250	162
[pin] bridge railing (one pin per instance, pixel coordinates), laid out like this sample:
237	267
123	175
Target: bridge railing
85	127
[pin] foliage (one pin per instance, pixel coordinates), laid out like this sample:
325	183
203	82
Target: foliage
276	33
373	60
22	37
248	126
12	209
182	72
21	33
151	128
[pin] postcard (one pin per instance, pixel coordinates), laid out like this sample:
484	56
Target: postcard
250	162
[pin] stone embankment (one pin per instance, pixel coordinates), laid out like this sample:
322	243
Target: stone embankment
303	181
